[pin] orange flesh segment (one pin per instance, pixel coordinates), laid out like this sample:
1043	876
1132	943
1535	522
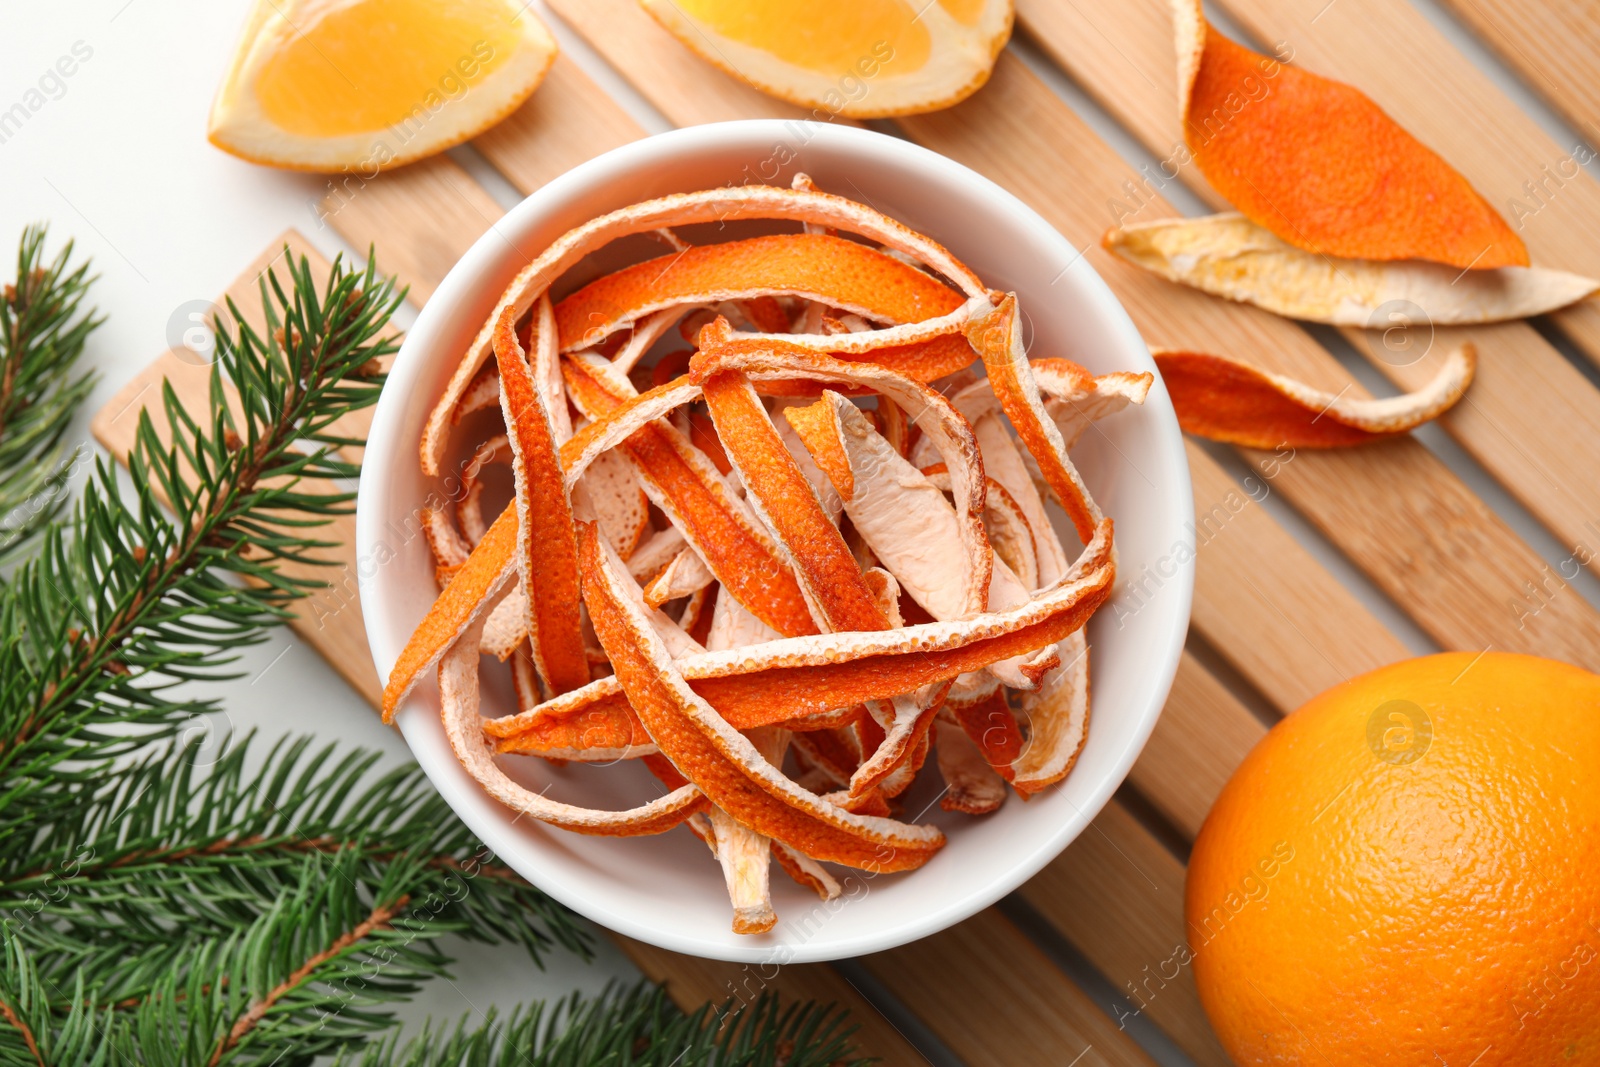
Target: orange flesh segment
547	549
1319	164
843	273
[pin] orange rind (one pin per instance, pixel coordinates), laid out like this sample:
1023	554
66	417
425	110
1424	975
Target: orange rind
1230	256
1229	400
1319	164
807	561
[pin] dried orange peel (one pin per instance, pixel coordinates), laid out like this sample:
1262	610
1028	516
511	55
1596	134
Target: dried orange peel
1319	164
789	574
1233	257
1230	400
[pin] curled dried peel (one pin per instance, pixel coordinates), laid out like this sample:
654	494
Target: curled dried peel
757	544
781	679
1230	256
722	762
1322	166
547	547
997	338
458	693
681	209
1229	400
683	482
785	501
842	273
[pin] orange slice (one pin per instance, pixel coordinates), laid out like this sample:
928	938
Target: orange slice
863	59
1323	167
369	84
1229	400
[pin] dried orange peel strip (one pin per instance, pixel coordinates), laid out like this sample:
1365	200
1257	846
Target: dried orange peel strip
1230	256
1229	400
722	762
997	338
681	209
842	273
1322	166
690	490
781	679
547	547
459	695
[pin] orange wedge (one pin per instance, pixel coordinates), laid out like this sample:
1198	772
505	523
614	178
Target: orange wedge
862	59
1323	167
364	85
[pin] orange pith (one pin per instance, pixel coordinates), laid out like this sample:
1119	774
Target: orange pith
735	553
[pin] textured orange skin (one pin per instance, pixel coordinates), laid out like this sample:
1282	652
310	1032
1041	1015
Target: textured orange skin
772	476
1229	401
850	274
549	545
1444	910
1323	167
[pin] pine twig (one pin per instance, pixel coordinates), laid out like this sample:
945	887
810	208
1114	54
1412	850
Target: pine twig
43	330
130	599
378	918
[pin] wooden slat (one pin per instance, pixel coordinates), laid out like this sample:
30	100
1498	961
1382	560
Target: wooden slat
995	999
1399	513
1531	416
435	203
1404	63
1203	733
1121	891
329	618
1553	44
570	120
1265	603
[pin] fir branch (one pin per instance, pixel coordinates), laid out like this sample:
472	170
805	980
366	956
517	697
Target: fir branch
130	599
166	851
43	330
633	1028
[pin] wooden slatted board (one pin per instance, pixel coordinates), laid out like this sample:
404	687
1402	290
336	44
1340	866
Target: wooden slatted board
1276	624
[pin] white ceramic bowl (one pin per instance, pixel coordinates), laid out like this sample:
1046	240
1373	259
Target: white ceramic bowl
667	890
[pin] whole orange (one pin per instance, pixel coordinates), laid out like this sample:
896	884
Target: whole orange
1407	871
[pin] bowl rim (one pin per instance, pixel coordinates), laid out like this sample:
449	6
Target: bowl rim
470	274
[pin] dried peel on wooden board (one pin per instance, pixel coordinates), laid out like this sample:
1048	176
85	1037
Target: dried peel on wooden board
792	572
1229	400
1230	256
1319	164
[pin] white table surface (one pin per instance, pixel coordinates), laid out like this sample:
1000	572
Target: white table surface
118	160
